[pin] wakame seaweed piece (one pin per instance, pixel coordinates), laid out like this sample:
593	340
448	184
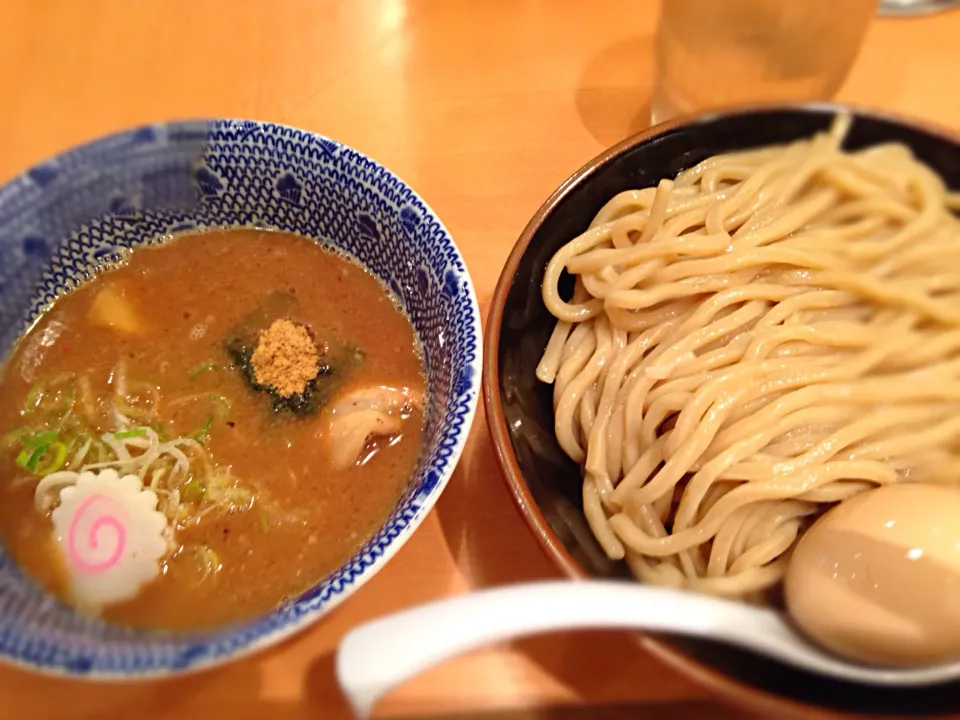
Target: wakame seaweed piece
302	404
310	400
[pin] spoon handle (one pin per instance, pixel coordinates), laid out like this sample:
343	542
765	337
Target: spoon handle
384	653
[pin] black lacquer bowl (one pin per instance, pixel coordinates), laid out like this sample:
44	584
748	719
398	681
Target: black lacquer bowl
547	485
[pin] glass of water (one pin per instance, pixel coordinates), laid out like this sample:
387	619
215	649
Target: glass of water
712	53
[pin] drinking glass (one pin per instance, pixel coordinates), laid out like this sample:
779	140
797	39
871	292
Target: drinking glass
712	53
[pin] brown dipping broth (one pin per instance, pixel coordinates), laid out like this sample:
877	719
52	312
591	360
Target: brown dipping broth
191	293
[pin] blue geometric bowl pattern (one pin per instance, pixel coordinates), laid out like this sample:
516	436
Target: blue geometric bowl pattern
64	219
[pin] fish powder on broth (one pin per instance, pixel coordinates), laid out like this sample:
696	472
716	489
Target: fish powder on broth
156	348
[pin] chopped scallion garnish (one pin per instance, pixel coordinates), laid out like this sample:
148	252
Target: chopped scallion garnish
221	400
203	432
192	491
208	560
161	431
204	367
53	459
27	458
136	432
33	397
40	440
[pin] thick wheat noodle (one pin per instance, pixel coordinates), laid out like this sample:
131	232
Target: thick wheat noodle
770	332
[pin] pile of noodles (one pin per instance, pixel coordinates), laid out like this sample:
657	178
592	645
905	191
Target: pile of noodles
772	332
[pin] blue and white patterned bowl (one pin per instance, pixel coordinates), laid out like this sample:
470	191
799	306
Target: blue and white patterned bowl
60	220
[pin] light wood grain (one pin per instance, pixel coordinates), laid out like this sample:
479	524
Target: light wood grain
484	107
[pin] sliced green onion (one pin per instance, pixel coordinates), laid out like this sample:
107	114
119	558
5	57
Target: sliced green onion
264	522
208	561
222	407
74	448
54	458
69	398
40	440
161	432
193	491
203	432
204	367
27	459
33	397
221	400
124	434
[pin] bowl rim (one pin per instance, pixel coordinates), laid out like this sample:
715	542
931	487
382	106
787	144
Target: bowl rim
413	510
730	690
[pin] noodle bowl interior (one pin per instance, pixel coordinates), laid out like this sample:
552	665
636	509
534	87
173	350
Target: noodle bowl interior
766	335
207	430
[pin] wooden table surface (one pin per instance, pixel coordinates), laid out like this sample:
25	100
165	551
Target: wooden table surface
484	107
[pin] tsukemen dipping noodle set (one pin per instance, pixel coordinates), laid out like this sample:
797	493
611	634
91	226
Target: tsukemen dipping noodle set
234	384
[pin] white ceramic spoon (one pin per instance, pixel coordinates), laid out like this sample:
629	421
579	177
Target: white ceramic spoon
382	654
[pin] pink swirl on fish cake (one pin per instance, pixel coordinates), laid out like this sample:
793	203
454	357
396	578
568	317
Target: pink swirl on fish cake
103	521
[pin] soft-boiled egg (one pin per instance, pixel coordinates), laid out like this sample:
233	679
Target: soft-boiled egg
877	578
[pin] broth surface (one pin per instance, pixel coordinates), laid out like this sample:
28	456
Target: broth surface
189	296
